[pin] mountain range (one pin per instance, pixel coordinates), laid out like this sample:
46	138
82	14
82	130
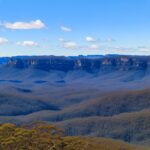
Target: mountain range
98	96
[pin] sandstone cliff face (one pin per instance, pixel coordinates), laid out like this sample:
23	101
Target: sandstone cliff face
105	63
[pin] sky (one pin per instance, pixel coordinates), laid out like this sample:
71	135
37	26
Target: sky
74	27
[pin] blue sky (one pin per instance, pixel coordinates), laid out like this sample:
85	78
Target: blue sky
74	27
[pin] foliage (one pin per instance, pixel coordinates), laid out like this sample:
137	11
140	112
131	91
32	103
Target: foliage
43	136
39	137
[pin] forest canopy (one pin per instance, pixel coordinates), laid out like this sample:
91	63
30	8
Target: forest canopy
43	136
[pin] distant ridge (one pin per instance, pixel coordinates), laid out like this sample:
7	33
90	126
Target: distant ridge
90	63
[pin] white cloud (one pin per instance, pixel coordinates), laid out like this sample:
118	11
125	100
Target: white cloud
90	39
94	46
37	24
27	43
65	29
61	39
3	40
109	40
70	45
144	49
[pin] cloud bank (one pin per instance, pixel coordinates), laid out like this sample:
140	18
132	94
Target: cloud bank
70	45
65	29
90	39
37	24
27	43
3	40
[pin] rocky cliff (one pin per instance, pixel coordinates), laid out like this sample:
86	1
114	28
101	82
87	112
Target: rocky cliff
101	63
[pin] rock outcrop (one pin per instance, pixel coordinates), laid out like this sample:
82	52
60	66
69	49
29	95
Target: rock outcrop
102	63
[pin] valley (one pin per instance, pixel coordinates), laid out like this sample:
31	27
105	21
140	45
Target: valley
107	96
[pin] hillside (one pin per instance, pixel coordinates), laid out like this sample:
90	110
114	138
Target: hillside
130	127
109	104
47	137
86	96
123	115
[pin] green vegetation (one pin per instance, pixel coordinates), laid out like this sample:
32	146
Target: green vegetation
119	115
131	127
42	136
